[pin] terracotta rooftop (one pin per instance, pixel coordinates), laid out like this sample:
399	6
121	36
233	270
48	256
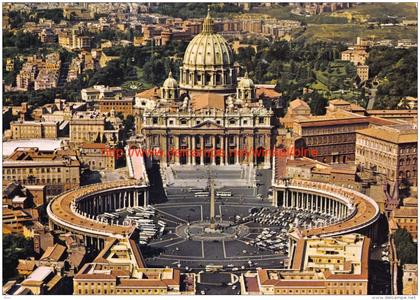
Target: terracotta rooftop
392	112
152	93
93	146
389	134
26	265
267	92
405	212
54	253
297	103
339	102
251	284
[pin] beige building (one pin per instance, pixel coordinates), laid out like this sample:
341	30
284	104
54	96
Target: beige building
119	269
122	105
405	217
58	170
95	156
87	127
362	72
410	279
331	137
97	92
74	40
33	129
357	54
95	127
318	266
43	281
390	150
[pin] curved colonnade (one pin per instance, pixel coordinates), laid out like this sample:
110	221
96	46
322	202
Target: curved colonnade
351	211
77	210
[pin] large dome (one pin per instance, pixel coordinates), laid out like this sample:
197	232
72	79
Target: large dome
208	50
208	62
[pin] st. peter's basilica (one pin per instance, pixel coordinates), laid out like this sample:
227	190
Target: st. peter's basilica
211	110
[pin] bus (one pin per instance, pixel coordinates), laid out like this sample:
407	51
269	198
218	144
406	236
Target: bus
213	268
224	194
195	190
201	194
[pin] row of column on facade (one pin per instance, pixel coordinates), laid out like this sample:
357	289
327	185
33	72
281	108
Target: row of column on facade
228	152
311	202
112	201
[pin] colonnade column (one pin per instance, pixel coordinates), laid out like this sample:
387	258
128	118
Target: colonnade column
176	137
188	154
237	149
202	150
250	140
267	148
136	198
193	150
222	156
213	153
227	149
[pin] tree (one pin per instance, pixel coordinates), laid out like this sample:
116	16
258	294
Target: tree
260	71
317	103
276	67
406	249
14	247
154	71
55	14
129	124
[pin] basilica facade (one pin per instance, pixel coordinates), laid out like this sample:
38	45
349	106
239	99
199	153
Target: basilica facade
212	116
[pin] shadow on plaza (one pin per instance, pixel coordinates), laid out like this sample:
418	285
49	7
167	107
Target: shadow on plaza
157	192
150	252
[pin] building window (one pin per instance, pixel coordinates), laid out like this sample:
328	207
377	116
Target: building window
155	120
261	120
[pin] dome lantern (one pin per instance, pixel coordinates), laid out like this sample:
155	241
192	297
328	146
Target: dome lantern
208	24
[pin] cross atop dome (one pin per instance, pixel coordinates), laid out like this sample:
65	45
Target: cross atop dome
208	24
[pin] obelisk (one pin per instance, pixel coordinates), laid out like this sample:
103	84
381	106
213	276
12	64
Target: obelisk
212	206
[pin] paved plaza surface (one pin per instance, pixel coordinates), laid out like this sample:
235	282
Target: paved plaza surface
197	176
182	207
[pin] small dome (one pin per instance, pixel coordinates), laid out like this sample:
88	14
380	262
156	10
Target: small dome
170	82
246	82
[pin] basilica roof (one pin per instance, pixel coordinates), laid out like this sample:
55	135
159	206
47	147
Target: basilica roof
152	93
208	100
